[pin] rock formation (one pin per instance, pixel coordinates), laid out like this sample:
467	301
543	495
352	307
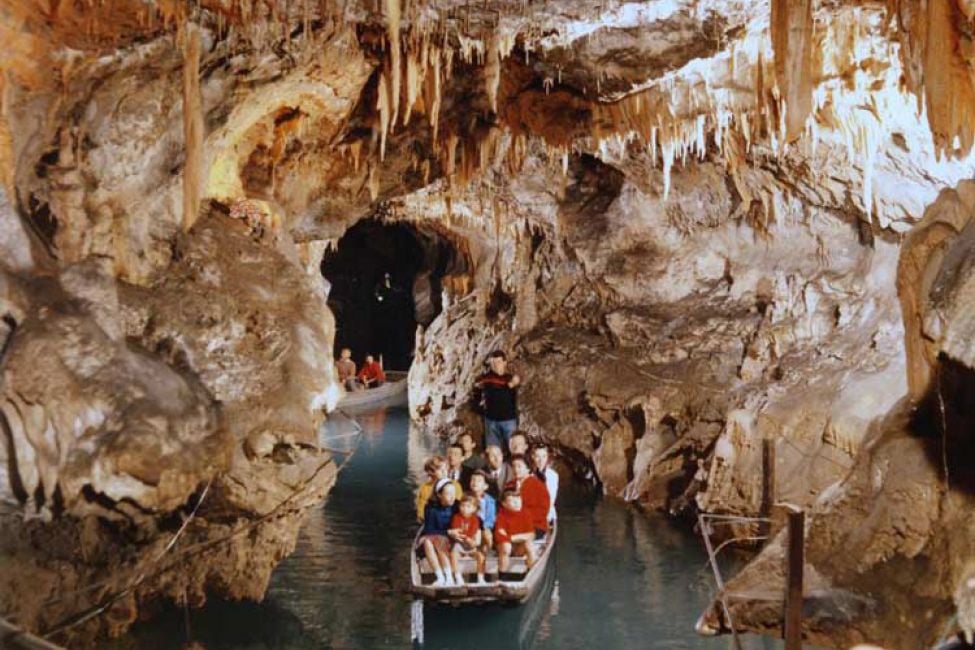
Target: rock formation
697	226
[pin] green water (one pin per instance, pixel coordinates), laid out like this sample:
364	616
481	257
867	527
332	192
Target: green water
621	578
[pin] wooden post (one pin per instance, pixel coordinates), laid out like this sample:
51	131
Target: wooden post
793	593
768	487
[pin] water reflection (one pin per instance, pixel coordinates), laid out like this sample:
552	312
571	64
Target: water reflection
621	578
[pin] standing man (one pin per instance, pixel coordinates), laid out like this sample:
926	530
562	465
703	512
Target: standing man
496	390
346	368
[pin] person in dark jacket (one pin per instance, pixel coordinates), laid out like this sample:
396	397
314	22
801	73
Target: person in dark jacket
497	392
434	540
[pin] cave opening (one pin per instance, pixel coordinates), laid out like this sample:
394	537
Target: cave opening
386	278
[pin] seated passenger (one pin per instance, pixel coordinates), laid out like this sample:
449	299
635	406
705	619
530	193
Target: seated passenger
434	541
518	445
498	472
345	367
543	470
472	461
455	461
487	507
465	531
534	494
436	469
513	532
372	374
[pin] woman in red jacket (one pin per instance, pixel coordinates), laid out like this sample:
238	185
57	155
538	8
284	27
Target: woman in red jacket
534	494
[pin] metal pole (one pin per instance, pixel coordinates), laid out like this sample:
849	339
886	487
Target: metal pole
713	560
794	566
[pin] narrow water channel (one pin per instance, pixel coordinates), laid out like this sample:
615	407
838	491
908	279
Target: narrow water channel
622	579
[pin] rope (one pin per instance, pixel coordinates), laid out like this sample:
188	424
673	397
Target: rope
95	611
91	612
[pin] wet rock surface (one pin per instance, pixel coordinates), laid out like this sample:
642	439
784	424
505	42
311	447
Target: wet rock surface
699	228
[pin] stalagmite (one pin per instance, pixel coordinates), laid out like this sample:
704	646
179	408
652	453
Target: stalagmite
192	125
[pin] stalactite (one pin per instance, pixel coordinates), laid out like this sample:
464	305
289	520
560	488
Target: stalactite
373	182
792	40
192	126
383	105
492	72
393	15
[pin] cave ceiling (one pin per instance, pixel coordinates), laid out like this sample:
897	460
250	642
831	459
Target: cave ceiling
326	110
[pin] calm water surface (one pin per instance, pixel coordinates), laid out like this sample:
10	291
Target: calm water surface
621	579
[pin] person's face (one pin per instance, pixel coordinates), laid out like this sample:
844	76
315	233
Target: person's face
517	445
478	485
520	468
498	365
368	358
455	456
467	508
513	503
494	456
346	353
448	495
540	458
467	442
440	471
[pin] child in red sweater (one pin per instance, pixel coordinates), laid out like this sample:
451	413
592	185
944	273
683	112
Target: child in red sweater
514	532
534	494
465	531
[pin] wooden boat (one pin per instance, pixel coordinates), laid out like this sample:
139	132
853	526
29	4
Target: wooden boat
518	586
392	393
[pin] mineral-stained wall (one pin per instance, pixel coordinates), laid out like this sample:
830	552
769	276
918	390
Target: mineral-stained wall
687	221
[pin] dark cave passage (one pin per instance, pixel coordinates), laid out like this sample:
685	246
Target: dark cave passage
387	279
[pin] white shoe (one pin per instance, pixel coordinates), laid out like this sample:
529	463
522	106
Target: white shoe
439	582
480	579
459	579
448	580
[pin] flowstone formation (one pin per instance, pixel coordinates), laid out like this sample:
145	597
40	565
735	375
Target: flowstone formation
696	225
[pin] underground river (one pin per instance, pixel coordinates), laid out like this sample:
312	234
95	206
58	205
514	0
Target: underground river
622	579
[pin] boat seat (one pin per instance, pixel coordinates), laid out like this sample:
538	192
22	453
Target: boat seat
468	566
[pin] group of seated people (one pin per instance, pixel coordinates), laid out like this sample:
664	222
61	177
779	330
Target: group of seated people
370	376
459	505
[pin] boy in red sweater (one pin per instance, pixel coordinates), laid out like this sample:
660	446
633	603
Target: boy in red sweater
534	494
513	531
465	531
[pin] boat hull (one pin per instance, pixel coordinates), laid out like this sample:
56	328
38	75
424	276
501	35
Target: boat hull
511	591
392	393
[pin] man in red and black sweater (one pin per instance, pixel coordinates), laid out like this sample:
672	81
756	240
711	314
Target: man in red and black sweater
496	391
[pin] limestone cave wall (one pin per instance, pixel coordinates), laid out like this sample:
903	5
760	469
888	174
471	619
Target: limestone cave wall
696	226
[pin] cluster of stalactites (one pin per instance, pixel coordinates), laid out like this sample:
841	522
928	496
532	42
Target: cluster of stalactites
417	66
780	84
937	39
772	91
